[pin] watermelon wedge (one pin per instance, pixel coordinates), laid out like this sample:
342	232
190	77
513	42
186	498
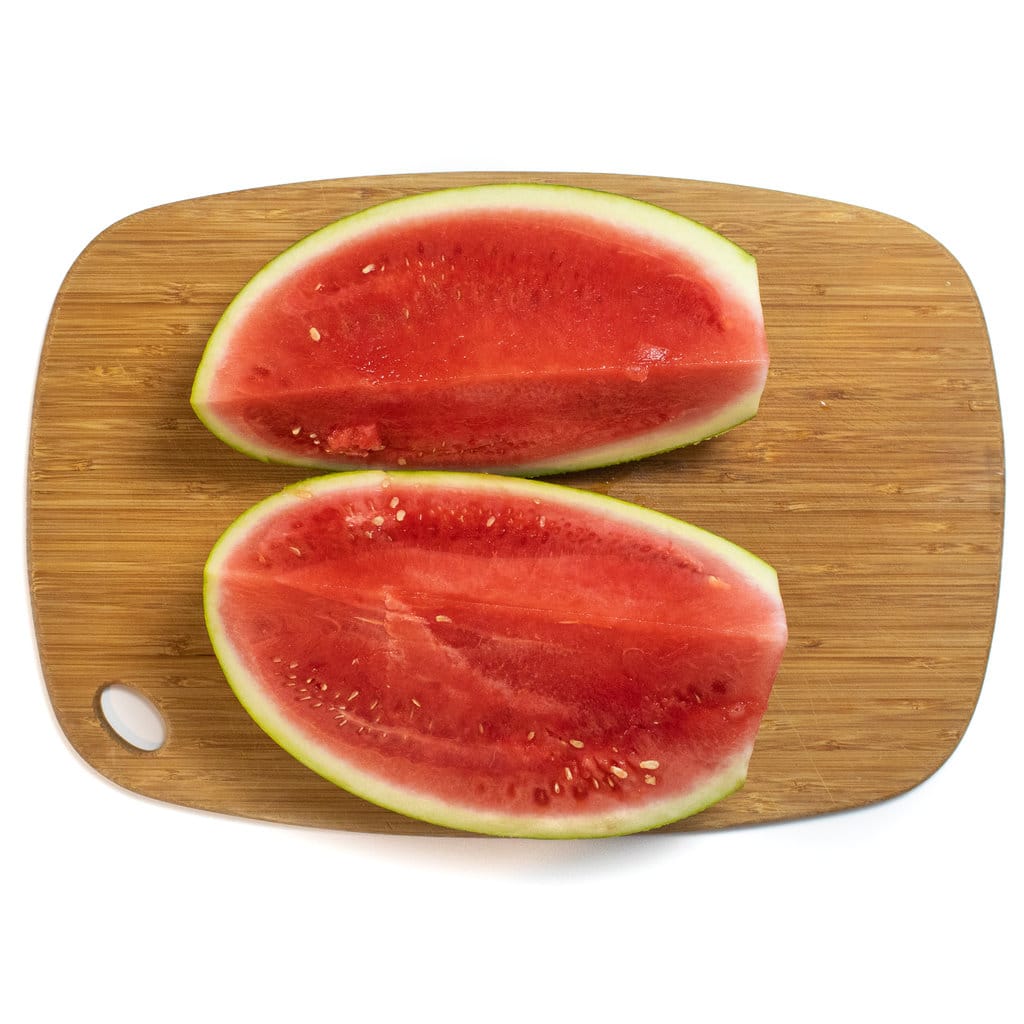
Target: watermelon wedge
527	329
497	654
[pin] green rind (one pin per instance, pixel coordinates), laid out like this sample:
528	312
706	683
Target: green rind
378	791
735	269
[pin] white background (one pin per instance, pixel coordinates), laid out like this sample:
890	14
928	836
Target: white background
134	910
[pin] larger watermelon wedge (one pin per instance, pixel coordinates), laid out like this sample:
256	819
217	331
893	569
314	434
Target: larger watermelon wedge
497	654
521	328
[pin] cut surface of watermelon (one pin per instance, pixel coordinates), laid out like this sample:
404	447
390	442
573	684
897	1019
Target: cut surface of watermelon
508	328
497	655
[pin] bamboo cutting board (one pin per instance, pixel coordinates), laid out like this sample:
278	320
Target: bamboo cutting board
872	479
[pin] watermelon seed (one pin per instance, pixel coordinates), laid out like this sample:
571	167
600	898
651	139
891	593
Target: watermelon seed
416	702
369	268
314	334
442	618
296	431
650	780
400	514
394	501
620	773
530	735
353	695
578	744
650	765
568	774
490	521
378	520
557	788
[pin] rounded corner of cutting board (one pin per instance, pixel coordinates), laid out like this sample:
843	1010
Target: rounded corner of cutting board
864	525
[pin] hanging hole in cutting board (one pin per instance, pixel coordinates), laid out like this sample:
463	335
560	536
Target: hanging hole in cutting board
132	716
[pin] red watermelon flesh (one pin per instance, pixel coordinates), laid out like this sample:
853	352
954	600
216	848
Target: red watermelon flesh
522	328
497	655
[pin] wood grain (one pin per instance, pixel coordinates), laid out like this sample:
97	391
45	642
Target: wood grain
872	479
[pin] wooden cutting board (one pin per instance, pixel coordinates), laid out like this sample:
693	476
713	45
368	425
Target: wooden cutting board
872	479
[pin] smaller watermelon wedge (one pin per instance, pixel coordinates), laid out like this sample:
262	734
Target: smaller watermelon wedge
496	654
526	329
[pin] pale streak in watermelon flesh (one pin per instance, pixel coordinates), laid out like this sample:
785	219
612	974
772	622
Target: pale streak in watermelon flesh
528	329
497	655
